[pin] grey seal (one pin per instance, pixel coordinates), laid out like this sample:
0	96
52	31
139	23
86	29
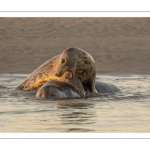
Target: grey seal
80	64
77	62
59	89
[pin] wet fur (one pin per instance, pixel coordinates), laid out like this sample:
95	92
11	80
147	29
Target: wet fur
57	89
64	90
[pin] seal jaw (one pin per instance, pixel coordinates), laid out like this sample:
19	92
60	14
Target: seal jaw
60	72
70	72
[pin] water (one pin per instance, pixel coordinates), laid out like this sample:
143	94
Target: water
127	111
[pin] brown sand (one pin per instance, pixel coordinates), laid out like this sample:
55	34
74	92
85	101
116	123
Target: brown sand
118	45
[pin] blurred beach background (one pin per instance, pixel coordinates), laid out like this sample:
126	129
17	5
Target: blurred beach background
118	45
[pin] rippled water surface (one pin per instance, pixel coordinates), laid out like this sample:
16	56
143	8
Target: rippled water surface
127	111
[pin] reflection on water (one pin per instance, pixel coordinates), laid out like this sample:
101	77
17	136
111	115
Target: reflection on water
127	111
78	115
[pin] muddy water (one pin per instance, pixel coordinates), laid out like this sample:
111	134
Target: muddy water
127	111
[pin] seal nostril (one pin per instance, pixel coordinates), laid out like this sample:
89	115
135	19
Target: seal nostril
63	61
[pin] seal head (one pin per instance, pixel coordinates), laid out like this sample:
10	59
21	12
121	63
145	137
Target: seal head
79	64
67	62
57	89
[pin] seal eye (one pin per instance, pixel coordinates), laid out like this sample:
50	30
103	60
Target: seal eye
63	61
53	95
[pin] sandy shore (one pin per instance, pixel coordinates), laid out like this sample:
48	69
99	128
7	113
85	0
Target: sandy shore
118	45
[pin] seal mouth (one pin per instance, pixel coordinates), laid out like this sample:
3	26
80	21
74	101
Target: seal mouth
70	72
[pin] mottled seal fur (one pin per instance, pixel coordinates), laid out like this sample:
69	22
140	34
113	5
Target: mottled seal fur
80	64
67	80
45	73
58	89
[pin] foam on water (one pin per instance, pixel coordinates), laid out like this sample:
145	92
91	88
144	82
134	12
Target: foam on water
126	111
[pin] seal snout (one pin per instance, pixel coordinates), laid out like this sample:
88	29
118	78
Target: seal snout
58	74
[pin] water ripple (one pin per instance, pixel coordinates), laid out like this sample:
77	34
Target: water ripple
126	111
